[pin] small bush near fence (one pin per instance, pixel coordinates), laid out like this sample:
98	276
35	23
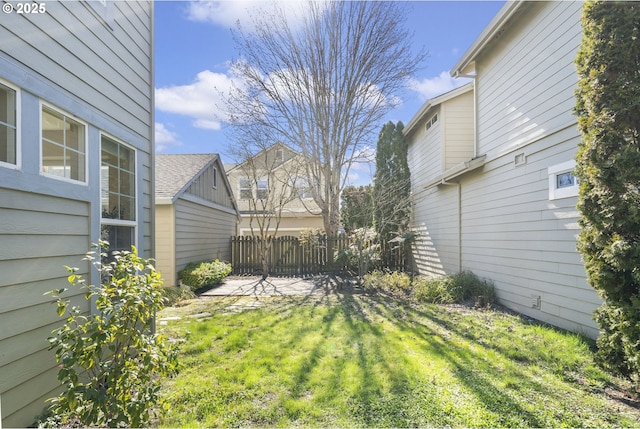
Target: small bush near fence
197	275
457	288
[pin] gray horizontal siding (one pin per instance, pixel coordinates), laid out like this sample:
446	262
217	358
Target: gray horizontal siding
110	70
39	236
525	83
202	233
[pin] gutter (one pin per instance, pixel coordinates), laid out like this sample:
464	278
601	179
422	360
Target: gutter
456	171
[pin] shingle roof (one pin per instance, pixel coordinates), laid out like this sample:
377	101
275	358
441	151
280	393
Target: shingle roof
174	171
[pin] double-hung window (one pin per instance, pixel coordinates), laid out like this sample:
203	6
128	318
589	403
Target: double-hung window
9	102
118	194
64	145
249	189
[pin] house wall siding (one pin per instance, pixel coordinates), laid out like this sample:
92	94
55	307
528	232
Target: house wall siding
99	70
165	243
512	232
202	233
39	236
457	138
527	78
514	235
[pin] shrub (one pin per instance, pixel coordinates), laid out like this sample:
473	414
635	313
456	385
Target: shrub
607	105
433	290
394	282
457	288
197	275
110	362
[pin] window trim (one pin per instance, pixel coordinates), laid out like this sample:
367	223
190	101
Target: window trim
44	104
18	107
431	122
554	171
121	222
214	180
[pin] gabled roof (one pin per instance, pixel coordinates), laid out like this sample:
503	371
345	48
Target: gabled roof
175	172
433	102
493	30
277	145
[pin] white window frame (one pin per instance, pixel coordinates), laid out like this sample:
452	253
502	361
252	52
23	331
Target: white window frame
556	193
121	222
18	148
214	179
84	182
431	122
248	188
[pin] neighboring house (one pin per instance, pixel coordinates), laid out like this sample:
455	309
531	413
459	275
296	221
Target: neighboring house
76	158
507	210
272	181
196	214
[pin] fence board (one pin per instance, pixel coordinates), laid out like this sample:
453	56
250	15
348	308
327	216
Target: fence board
288	256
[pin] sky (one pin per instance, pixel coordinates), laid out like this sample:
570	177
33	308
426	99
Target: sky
194	48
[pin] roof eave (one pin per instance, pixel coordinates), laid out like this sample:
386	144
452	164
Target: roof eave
433	102
466	64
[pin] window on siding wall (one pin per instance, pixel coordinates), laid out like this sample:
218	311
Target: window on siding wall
118	194
64	145
431	122
562	182
247	188
214	179
8	124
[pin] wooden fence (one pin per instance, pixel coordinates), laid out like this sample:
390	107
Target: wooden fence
289	256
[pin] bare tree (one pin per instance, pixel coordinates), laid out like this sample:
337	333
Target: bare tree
321	86
267	180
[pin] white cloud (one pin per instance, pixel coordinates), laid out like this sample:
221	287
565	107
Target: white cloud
228	13
432	87
201	100
165	138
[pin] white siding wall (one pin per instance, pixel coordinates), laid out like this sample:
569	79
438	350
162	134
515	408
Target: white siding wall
511	232
457	120
96	67
202	233
435	213
435	219
527	77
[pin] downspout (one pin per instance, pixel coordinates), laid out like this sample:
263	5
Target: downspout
459	217
475	110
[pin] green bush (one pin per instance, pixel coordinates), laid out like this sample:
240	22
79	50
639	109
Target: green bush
607	106
394	282
457	288
197	275
435	290
111	361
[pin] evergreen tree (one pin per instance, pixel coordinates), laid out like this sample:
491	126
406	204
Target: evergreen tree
392	186
608	167
357	208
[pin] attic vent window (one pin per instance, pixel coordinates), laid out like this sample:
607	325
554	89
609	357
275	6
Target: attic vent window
214	179
520	159
431	121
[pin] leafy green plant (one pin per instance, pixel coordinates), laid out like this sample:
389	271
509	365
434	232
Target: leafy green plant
197	275
457	288
435	290
393	282
111	362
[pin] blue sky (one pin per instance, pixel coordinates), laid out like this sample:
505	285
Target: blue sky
194	47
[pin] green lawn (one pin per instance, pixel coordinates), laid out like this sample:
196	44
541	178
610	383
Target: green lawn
371	361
